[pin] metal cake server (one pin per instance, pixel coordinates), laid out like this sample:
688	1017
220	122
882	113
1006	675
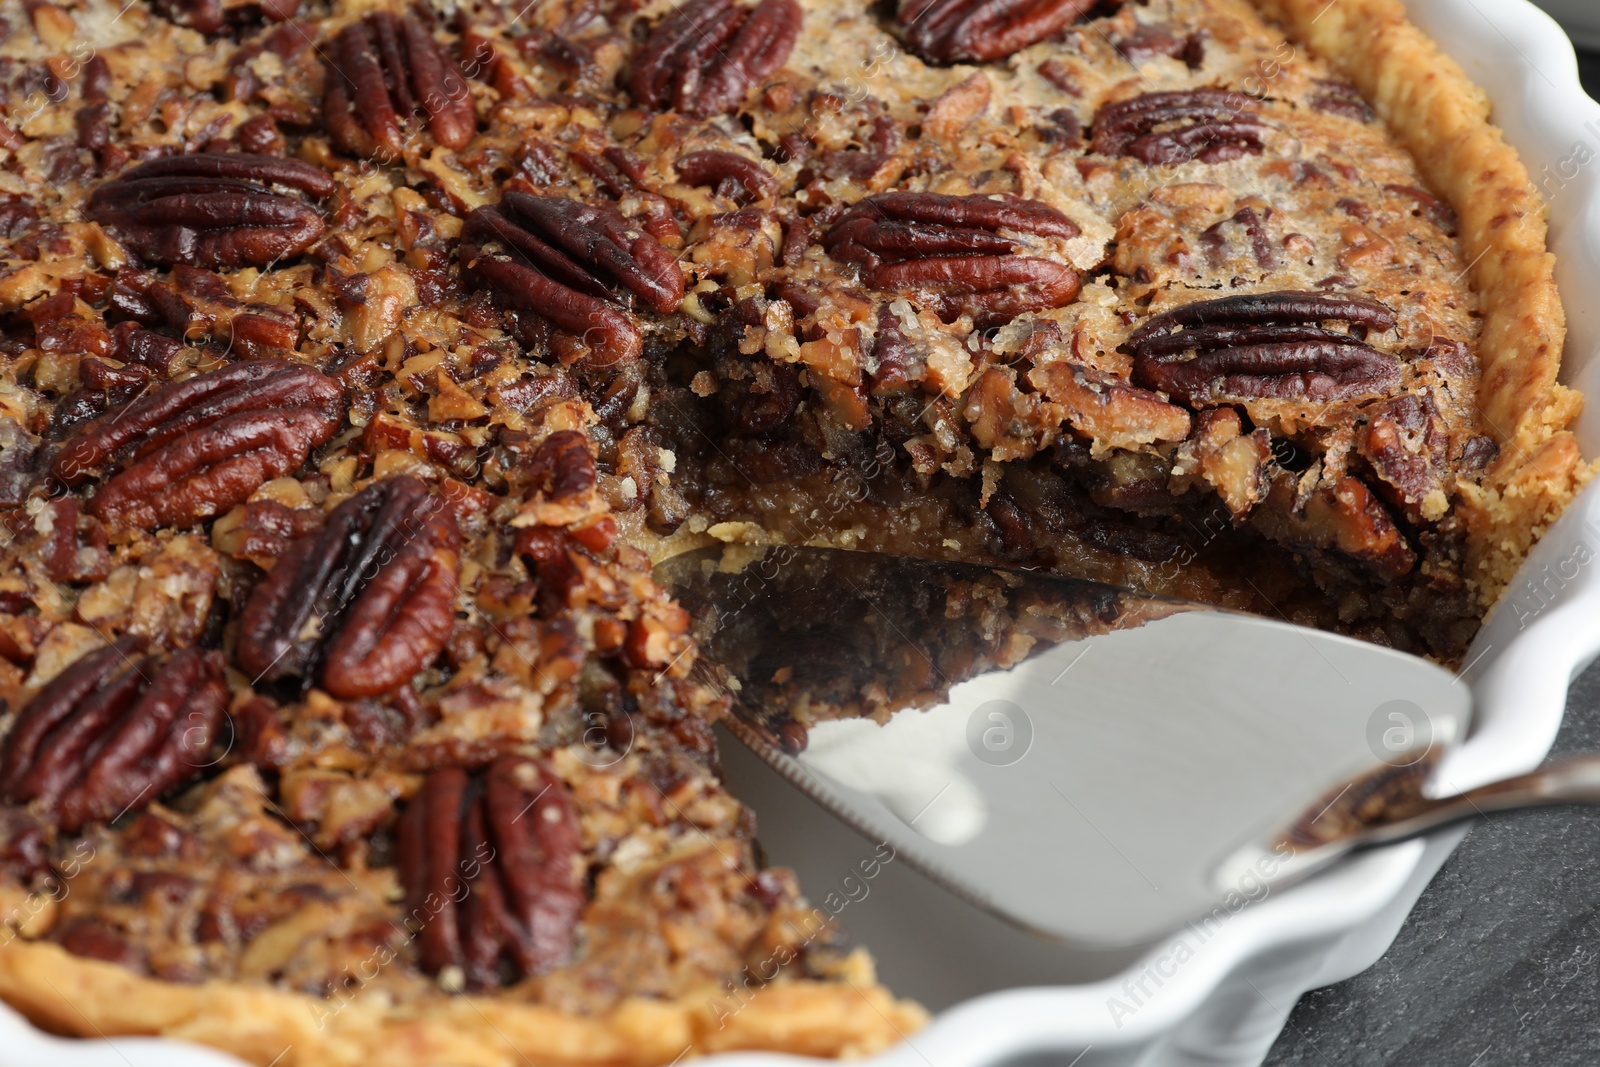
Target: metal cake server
1093	764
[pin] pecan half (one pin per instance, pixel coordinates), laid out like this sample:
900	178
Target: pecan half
1265	346
703	58
214	210
956	247
110	732
385	70
363	604
491	865
1211	125
977	31
574	264
191	450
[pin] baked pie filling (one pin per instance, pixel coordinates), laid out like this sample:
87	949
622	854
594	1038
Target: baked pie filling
357	361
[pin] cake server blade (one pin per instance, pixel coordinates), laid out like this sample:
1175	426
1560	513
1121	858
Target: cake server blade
1094	764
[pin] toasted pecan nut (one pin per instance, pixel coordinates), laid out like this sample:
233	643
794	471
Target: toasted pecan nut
263	530
384	70
708	54
138	345
1345	516
492	872
202	16
737	177
214	210
1264	346
1107	410
1211	125
110	732
363	604
1428	206
1234	463
1214	238
574	264
213	17
957	248
1339	98
72	554
242	82
978	31
104	387
563	466
1407	444
191	450
24	855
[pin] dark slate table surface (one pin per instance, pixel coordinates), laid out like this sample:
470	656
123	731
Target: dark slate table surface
1500	961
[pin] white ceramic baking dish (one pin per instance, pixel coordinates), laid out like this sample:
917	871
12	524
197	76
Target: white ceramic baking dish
1580	17
1217	994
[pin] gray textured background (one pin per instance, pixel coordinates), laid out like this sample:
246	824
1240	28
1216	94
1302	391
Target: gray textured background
1500	961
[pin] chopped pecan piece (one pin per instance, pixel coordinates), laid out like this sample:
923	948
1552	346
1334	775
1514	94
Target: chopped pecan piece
1344	516
263	530
72	554
24	856
957	31
363	604
1107	410
1211	125
737	177
384	70
214	210
1340	98
214	17
1408	445
17	212
1152	39
703	58
1429	207
1264	346
492	868
574	264
193	449
110	732
58	326
562	466
1215	240
136	344
956	109
242	80
194	304
957	248
104	387
1233	462
639	457
19	451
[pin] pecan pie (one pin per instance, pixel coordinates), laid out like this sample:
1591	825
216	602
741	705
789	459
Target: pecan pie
358	360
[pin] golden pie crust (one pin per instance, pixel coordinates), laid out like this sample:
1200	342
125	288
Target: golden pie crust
72	995
838	1008
1443	120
